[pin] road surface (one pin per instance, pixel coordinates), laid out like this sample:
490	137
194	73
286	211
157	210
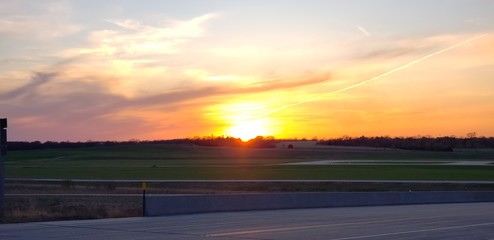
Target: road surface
29	180
439	221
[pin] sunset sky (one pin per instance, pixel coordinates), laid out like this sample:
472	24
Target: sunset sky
146	69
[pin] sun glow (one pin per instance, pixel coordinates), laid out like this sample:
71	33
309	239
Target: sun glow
239	120
248	129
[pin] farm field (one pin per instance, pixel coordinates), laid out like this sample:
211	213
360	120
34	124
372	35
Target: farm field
180	162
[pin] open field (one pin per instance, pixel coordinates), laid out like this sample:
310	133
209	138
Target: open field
35	201
181	162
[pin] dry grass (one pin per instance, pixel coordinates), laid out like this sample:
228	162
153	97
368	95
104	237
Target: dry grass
64	205
47	208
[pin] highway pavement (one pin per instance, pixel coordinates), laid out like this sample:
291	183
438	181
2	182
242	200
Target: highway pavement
434	221
29	180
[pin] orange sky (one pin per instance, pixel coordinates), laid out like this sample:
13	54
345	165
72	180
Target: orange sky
160	71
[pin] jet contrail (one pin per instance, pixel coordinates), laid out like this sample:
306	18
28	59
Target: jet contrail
361	29
404	66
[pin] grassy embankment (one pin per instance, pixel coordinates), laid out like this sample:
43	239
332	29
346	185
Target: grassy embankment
187	162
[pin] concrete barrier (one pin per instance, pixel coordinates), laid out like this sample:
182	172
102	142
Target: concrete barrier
159	205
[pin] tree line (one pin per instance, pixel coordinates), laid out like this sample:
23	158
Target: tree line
221	141
415	143
409	143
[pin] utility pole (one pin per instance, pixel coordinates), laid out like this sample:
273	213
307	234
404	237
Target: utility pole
3	154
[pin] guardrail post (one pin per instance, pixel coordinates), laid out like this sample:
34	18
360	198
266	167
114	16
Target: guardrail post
144	186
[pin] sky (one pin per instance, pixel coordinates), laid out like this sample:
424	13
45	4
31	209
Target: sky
89	70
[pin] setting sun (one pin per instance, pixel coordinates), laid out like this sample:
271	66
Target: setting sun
241	120
248	129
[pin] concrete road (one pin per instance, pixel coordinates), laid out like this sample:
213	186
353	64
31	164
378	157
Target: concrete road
439	221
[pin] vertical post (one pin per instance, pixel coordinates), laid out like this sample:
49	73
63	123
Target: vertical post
3	154
144	186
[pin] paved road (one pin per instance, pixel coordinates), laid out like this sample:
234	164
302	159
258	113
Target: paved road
440	221
240	181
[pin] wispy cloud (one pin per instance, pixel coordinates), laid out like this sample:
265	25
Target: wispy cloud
51	21
388	48
136	39
36	81
363	31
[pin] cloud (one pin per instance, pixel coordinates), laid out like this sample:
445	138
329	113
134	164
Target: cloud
135	39
50	100
51	21
272	85
225	90
69	89
37	80
389	48
43	108
132	58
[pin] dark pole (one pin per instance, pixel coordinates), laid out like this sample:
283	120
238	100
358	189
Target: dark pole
144	199
3	154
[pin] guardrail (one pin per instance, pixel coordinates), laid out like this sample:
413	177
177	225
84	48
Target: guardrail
159	205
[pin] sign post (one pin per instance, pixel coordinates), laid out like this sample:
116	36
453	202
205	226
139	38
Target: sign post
3	154
144	186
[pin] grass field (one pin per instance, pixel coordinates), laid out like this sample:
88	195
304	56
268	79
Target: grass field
143	161
52	200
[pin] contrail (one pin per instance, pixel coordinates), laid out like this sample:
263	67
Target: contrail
362	30
404	66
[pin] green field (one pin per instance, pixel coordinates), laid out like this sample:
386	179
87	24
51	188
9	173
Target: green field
146	161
